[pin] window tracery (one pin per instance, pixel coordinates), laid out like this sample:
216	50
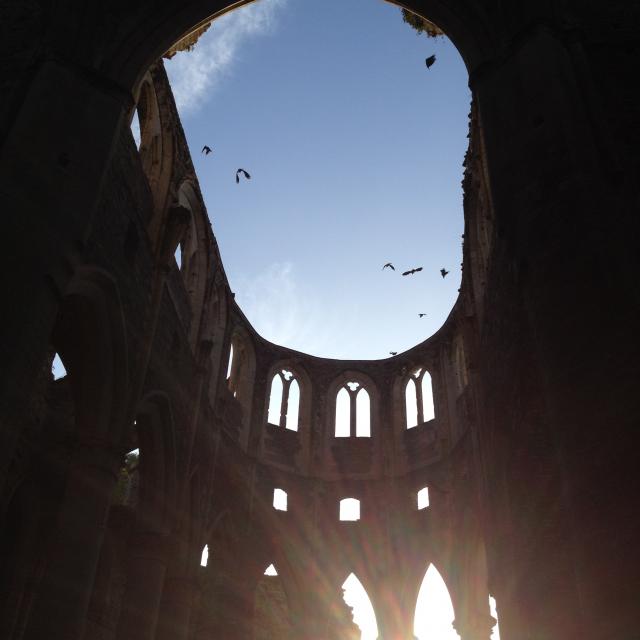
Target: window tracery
419	398
284	400
353	411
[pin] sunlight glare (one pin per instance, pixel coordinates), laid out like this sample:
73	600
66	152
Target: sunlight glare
434	610
495	634
349	509
279	499
363	614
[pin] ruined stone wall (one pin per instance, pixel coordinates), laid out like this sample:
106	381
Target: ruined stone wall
532	452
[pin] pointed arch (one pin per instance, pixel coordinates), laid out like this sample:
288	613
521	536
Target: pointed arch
293	406
428	407
411	404
284	399
434	614
343	414
363	414
356	597
275	400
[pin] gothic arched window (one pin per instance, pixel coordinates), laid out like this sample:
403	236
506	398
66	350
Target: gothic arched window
353	411
284	401
419	398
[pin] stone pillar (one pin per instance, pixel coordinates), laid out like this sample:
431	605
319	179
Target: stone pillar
474	626
50	190
394	618
175	608
60	608
147	566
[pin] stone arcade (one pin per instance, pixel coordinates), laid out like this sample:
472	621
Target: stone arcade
531	459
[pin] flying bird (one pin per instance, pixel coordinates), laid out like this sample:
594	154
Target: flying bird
393	353
246	175
206	150
388	265
422	315
429	61
443	272
412	271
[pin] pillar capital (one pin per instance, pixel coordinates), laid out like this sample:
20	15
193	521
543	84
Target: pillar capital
475	626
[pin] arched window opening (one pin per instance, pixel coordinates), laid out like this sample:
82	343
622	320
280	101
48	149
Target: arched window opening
279	499
411	402
271	608
136	129
355	596
275	400
230	363
419	398
434	610
178	255
204	557
493	609
145	127
353	411
293	406
343	414
57	368
363	414
284	401
349	509
428	408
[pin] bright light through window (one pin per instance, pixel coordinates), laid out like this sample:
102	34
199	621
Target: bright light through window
57	368
279	499
423	498
434	610
363	414
230	365
343	414
270	571
204	558
495	635
349	509
363	614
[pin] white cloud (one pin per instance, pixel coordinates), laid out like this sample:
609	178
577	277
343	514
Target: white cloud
195	74
283	312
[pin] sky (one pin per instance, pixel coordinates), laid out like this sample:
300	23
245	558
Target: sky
355	152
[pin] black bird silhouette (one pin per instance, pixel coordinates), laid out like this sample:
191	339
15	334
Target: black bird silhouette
443	272
429	61
393	353
206	150
412	271
422	315
388	265
246	175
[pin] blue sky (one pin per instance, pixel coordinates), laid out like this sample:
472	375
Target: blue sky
355	151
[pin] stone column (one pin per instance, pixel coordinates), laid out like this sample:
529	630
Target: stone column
147	566
60	607
49	193
474	626
175	608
